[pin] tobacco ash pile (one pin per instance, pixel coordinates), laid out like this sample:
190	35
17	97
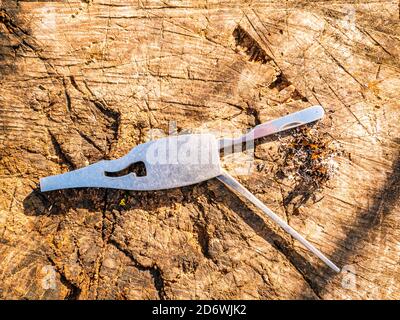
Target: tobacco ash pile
307	159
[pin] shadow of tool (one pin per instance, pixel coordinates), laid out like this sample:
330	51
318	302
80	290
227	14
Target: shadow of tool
60	202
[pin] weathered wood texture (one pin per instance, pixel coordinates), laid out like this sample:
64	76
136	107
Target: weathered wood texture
82	81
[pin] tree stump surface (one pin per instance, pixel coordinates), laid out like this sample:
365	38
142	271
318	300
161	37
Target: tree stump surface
82	81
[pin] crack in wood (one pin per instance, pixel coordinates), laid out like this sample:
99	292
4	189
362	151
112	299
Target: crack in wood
74	290
154	270
250	46
60	152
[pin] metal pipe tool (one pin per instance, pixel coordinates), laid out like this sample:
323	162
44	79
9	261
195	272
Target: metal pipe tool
182	160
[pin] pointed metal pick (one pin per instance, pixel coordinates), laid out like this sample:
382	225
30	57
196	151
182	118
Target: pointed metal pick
289	121
232	183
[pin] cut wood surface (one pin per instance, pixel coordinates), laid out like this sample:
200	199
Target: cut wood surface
82	81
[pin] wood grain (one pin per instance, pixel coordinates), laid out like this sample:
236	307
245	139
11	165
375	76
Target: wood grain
82	81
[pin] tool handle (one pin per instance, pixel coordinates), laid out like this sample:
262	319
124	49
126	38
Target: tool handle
289	121
232	183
